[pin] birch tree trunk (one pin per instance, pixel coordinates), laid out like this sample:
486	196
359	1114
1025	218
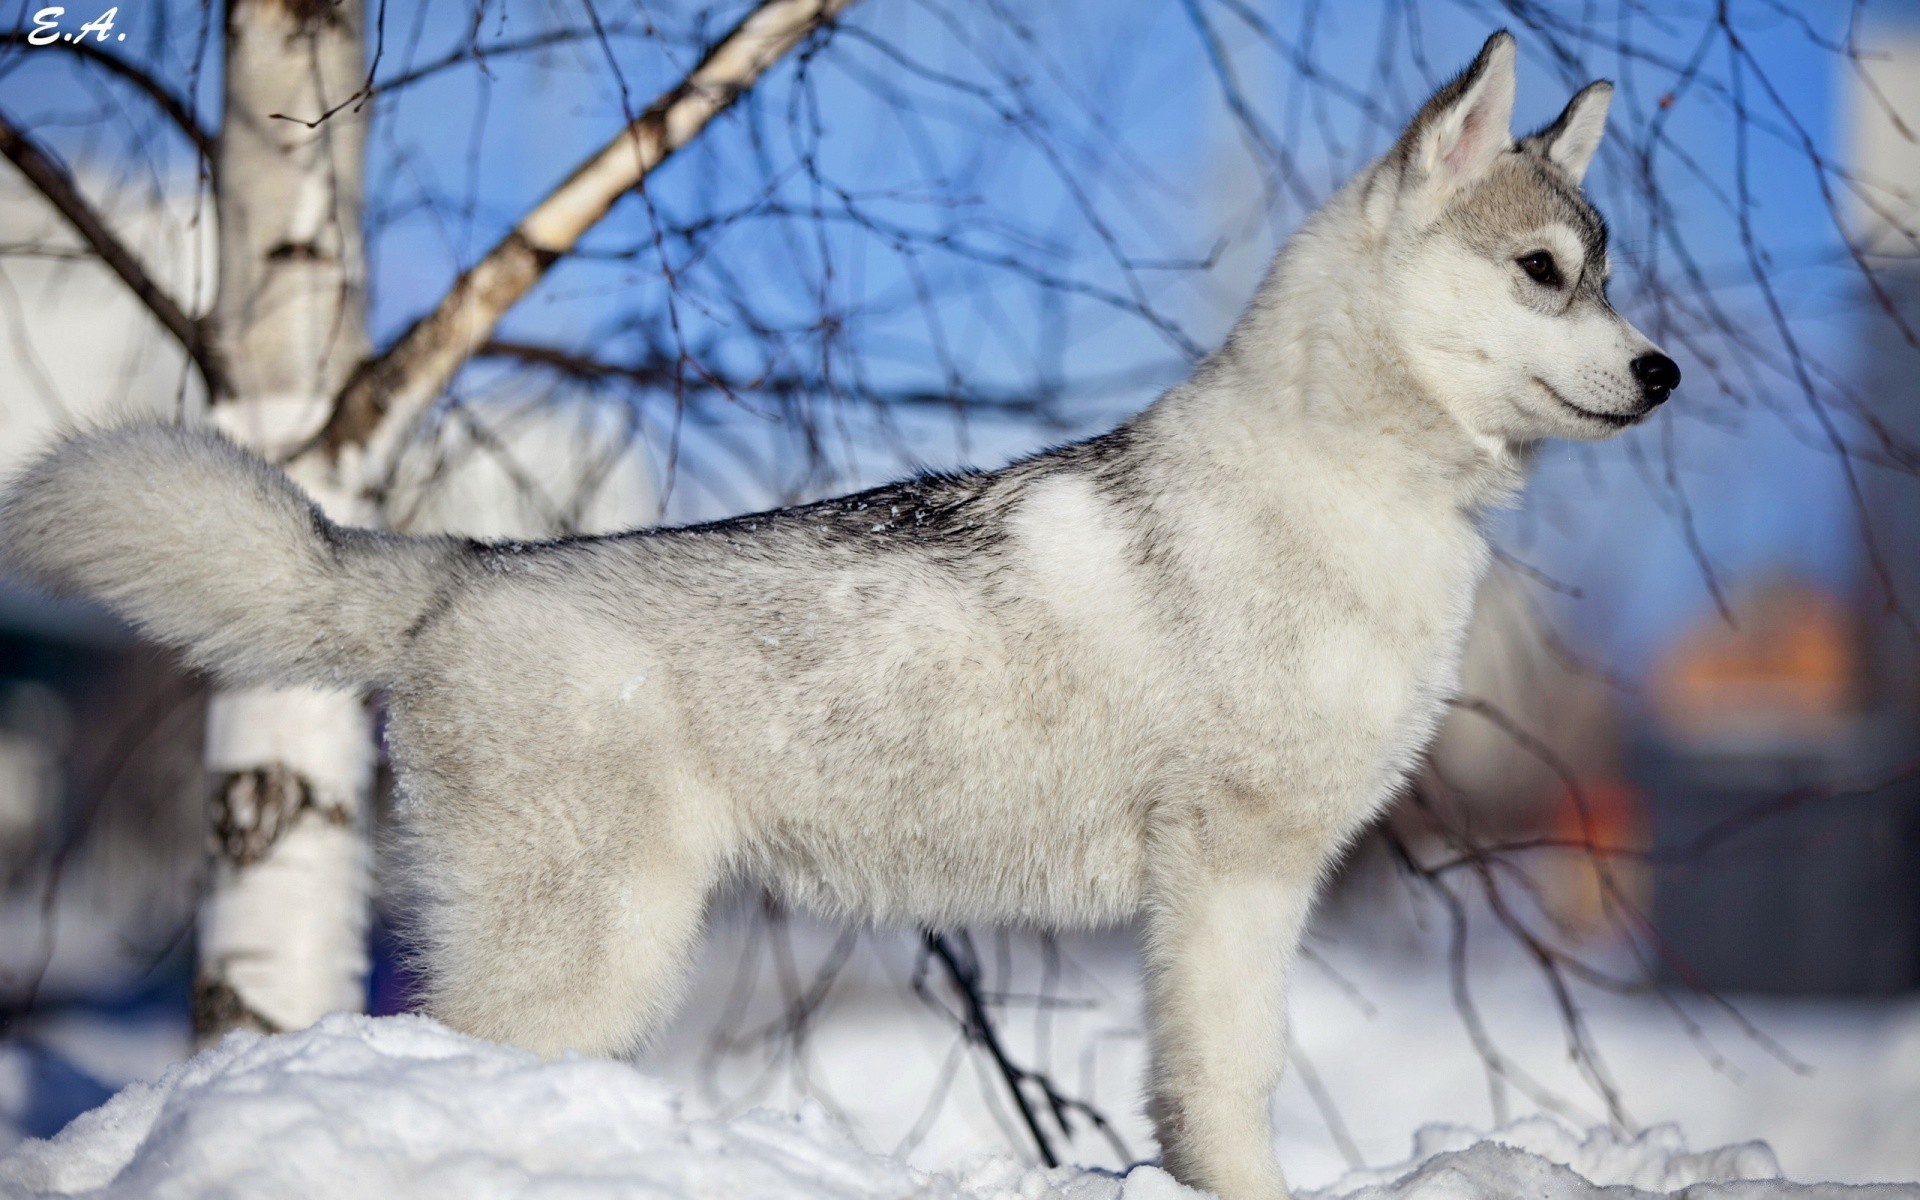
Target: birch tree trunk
283	929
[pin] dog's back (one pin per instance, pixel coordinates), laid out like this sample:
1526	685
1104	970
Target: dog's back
945	701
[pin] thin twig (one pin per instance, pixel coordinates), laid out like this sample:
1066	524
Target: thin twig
53	181
382	399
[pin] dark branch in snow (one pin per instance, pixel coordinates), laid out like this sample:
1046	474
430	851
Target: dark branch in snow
965	977
955	952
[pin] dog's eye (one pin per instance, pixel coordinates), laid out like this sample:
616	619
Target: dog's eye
1540	268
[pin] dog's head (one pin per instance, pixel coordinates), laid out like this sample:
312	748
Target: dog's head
1493	267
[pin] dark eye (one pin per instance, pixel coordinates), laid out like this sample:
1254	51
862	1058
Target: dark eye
1540	268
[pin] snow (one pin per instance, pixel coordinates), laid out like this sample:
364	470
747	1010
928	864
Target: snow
403	1106
1373	1015
1654	1161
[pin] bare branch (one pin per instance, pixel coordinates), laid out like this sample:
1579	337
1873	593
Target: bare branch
665	372
58	187
390	390
173	106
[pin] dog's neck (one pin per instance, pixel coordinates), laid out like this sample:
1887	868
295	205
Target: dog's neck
1311	375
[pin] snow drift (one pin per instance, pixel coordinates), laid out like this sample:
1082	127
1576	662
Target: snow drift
401	1106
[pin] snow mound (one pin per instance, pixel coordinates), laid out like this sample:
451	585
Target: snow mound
1540	1157
402	1106
1654	1161
1495	1169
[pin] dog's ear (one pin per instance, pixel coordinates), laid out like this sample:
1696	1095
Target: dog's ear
1570	142
1465	126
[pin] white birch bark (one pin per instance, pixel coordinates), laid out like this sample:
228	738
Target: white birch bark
282	937
283	929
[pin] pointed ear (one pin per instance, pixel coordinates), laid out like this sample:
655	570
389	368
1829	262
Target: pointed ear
1466	125
1570	142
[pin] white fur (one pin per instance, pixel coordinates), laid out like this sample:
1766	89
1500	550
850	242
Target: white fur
1166	673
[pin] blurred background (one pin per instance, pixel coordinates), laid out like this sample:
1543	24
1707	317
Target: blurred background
1664	863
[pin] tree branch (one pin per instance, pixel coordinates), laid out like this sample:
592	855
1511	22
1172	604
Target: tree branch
58	187
476	52
966	977
174	107
662	372
390	390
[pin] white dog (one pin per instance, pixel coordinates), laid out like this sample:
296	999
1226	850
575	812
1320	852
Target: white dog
1165	673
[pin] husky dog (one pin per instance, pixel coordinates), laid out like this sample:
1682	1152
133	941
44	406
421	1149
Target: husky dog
1167	673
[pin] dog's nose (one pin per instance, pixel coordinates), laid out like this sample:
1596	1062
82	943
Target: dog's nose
1658	376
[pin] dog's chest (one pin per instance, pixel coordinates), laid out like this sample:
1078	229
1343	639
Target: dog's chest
1350	644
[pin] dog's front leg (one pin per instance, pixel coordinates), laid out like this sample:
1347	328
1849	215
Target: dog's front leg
1218	945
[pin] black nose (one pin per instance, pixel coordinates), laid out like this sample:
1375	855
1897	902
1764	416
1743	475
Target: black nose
1658	376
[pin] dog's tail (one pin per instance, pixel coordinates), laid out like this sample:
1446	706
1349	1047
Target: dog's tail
213	552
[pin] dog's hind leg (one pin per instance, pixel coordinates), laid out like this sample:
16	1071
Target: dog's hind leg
554	937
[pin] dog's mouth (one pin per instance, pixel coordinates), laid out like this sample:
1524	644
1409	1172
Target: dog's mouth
1611	420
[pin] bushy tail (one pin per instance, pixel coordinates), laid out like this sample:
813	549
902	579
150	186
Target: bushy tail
210	550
